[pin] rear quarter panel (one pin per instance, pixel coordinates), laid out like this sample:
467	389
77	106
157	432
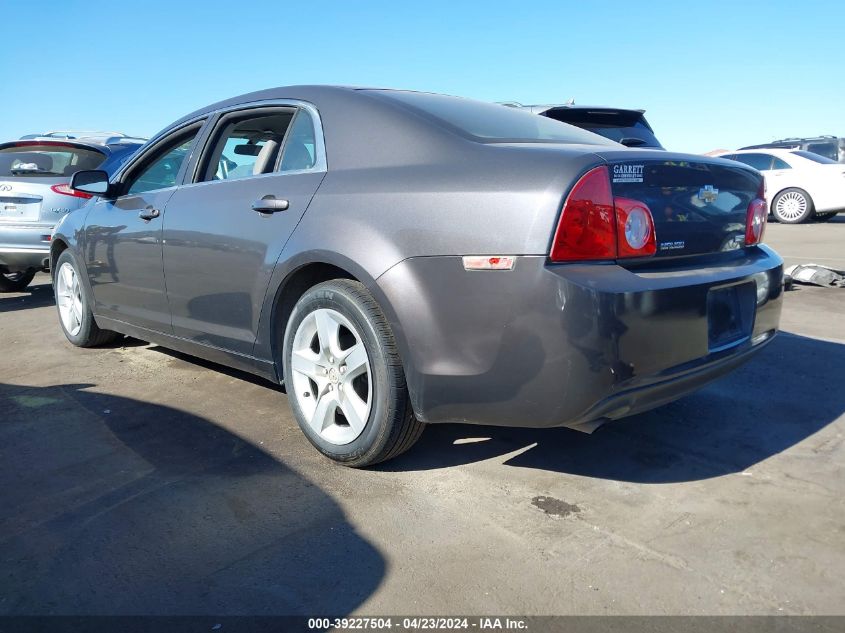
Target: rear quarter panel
475	200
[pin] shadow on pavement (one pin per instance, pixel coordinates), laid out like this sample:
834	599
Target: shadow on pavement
115	506
36	295
787	393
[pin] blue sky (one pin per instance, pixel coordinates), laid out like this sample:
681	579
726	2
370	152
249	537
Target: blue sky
710	74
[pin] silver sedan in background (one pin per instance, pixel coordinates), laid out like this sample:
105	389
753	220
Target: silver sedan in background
35	173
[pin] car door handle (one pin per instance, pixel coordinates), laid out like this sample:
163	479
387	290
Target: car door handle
270	204
149	213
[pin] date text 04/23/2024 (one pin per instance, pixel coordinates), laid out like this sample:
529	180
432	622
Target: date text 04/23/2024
418	623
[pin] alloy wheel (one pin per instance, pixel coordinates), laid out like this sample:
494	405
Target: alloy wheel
331	375
69	298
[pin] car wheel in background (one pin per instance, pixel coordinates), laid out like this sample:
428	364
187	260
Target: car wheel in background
344	378
792	206
74	306
15	282
824	217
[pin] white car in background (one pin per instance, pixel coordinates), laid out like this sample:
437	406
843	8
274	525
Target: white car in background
800	185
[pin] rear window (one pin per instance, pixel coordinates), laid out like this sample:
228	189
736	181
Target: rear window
816	158
490	122
617	125
34	160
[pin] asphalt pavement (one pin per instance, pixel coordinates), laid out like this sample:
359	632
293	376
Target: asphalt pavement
136	480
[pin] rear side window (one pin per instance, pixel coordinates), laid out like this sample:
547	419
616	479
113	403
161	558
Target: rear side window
778	163
300	146
828	150
47	160
490	122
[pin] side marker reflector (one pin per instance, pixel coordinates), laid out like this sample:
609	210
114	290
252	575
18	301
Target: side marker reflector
487	262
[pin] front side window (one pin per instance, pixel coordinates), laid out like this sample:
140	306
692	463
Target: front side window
162	170
760	162
247	145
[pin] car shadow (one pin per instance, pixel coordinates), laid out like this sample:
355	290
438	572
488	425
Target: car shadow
36	295
116	506
728	427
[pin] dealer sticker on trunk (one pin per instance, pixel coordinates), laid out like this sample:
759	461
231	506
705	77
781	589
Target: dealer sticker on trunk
628	173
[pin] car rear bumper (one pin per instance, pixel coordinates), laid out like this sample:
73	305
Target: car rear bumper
567	345
24	245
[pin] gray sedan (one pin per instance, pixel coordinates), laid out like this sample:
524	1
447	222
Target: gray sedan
399	258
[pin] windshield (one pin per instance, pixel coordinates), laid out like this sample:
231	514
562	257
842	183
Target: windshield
490	122
48	159
816	158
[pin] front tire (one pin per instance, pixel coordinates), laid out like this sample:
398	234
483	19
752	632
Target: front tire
74	306
825	217
17	281
792	206
344	378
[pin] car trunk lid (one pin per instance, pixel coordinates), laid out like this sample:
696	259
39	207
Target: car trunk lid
22	201
699	206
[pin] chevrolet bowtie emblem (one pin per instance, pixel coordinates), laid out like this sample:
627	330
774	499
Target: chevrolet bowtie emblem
708	193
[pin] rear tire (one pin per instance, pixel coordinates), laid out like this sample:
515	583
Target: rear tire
825	217
344	378
16	282
74	306
792	206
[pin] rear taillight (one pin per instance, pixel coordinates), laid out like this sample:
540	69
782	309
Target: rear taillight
755	222
587	226
634	228
595	226
65	190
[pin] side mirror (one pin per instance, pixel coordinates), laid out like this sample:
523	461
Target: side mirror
93	181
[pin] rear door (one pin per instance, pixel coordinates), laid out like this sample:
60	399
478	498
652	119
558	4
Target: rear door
698	207
224	232
122	242
779	174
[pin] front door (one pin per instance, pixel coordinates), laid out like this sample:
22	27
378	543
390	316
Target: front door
123	238
224	233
